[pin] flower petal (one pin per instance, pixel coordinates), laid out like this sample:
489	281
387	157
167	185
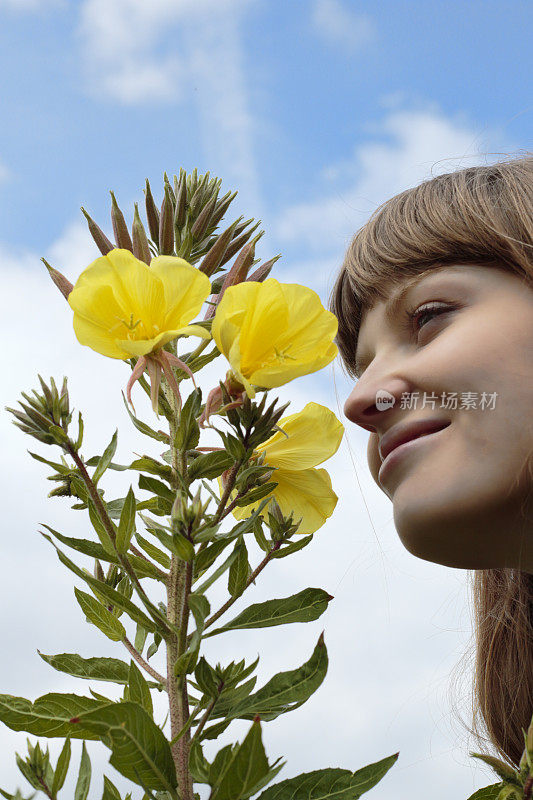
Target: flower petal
185	289
136	288
314	433
282	330
308	493
95	315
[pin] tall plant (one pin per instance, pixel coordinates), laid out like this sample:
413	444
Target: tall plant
135	303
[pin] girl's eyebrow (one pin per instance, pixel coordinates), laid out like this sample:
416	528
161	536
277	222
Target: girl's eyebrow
391	309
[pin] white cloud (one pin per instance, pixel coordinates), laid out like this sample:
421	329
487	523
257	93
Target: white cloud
390	652
32	5
178	51
136	52
341	27
406	148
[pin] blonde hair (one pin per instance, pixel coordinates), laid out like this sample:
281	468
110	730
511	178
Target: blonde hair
478	215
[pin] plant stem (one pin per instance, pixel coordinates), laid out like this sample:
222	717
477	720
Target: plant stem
205	716
140	660
253	576
178	590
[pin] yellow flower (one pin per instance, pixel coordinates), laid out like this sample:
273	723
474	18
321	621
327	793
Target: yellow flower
315	435
124	308
273	332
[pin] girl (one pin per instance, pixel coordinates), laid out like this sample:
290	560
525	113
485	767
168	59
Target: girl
435	308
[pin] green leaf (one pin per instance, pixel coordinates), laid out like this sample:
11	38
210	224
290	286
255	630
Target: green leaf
218	572
110	790
157	487
305	606
284	692
209	555
149	464
139	691
153	551
143	568
239	570
106	458
293	547
209	465
115	597
100	528
48	716
140	750
84	776
247	766
93	461
100	616
206	678
256	494
198	764
326	784
126	526
62	767
27	772
188	432
143	427
503	770
99	669
487	792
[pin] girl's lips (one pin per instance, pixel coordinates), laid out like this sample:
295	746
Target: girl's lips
395	455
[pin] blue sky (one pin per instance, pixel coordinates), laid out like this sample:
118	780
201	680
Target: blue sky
316	112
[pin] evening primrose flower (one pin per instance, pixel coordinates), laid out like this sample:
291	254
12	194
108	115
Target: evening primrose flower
125	309
314	435
271	333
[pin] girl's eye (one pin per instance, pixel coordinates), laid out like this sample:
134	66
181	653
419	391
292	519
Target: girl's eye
431	310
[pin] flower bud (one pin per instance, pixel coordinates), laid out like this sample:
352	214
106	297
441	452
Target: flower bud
152	214
166	226
62	283
120	229
141	249
100	239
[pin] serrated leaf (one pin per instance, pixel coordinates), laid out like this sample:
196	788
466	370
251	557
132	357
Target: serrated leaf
126	526
247	766
61	770
139	691
48	716
239	569
105	459
100	616
140	750
487	792
326	784
99	669
84	776
304	606
284	692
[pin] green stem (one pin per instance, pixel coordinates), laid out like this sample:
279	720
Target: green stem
178	590
144	664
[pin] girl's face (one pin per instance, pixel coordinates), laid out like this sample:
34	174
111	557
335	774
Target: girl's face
461	495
